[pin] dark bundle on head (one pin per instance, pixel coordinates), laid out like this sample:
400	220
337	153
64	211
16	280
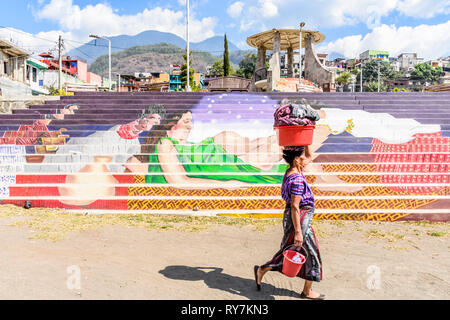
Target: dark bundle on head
290	153
316	105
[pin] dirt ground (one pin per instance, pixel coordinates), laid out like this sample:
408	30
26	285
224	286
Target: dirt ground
49	254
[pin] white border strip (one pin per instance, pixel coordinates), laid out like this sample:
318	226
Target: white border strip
397	197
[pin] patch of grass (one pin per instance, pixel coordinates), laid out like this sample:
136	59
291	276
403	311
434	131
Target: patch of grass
438	234
56	225
375	233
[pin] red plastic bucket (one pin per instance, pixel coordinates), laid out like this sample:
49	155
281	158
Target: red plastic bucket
290	267
295	135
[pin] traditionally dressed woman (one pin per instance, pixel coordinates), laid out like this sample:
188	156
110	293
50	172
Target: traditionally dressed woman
297	218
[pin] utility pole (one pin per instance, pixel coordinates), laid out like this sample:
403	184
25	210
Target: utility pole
302	24
60	63
188	70
109	56
378	75
360	79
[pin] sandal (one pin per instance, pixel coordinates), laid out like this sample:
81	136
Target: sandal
304	296
255	270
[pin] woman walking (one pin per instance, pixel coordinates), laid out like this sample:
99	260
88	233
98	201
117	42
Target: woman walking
297	223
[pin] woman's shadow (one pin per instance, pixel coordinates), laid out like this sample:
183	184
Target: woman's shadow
215	279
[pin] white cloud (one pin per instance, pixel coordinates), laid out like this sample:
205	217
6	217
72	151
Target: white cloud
337	13
429	41
423	8
103	19
268	8
235	9
35	44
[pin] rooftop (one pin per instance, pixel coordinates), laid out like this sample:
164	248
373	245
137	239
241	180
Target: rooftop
12	49
288	38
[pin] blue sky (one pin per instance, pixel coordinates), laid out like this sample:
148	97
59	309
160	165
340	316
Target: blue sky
350	26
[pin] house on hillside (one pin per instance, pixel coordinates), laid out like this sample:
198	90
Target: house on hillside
74	70
13	70
374	54
407	61
35	76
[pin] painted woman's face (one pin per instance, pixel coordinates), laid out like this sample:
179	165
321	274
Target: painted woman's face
146	123
183	127
185	123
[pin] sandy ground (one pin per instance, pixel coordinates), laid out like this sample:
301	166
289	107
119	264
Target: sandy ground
138	257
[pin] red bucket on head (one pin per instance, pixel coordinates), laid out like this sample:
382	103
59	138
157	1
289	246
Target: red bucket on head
290	267
295	135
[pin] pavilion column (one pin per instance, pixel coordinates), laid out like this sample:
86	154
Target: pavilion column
261	59
274	69
290	62
260	63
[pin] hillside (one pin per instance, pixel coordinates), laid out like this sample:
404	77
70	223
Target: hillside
150	58
98	47
157	58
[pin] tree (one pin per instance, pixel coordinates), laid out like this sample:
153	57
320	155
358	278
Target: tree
247	65
356	71
425	72
370	71
226	58
217	69
344	78
373	86
184	72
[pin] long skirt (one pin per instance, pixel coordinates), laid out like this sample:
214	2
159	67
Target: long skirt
312	268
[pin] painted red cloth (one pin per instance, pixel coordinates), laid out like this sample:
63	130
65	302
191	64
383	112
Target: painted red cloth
283	117
125	131
419	161
26	135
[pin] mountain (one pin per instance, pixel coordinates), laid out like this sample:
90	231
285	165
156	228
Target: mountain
150	58
213	45
98	47
334	55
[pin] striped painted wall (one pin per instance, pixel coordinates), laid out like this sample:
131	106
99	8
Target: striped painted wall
376	156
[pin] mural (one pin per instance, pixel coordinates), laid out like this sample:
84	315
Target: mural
218	153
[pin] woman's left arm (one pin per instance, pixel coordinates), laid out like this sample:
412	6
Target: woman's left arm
295	216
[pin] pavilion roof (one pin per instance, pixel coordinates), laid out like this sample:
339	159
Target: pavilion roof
288	38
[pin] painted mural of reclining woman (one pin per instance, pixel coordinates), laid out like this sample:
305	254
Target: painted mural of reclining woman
103	152
226	160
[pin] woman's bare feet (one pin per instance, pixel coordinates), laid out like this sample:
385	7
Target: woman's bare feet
260	274
311	294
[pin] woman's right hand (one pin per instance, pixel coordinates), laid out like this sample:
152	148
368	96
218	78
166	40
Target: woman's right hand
298	239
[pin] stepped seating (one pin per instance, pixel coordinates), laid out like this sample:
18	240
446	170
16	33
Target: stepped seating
379	156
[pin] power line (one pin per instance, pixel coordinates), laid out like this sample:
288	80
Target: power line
91	44
82	52
27	34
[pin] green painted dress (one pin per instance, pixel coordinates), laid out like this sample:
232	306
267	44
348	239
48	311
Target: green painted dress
211	158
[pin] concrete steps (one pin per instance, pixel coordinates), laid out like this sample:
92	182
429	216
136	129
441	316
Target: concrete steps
352	177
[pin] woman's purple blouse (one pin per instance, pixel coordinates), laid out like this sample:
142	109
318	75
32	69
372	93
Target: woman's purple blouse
296	184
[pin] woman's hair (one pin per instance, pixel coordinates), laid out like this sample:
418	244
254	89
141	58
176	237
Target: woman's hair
158	132
290	153
153	109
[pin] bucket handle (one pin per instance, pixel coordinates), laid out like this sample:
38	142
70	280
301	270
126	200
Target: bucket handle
299	251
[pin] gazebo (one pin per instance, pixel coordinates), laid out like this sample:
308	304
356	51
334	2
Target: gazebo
288	40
